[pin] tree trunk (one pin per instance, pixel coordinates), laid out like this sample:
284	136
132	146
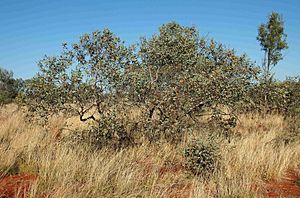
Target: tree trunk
267	79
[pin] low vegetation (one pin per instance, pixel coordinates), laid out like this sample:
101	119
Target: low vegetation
257	153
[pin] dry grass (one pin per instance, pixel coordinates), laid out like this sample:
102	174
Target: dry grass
251	158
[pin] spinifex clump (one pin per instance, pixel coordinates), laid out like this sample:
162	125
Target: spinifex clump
201	158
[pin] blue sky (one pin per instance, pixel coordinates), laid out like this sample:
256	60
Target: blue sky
33	28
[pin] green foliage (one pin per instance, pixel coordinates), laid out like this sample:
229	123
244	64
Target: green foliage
9	87
88	76
174	76
185	76
272	38
201	157
292	89
166	55
226	77
283	97
193	71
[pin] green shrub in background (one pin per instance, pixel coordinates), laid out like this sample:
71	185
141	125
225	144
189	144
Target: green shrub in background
9	86
283	97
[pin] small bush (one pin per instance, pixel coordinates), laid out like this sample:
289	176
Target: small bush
201	158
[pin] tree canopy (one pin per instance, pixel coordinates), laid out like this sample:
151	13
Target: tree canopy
9	86
272	39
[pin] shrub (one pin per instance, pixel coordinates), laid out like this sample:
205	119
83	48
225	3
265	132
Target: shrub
185	77
201	157
283	96
9	87
174	76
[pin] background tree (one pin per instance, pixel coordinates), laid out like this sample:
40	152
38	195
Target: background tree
272	39
9	86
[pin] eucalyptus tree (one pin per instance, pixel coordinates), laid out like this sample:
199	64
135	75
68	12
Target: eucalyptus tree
272	39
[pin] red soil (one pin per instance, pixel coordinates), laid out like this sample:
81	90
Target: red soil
287	187
16	186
